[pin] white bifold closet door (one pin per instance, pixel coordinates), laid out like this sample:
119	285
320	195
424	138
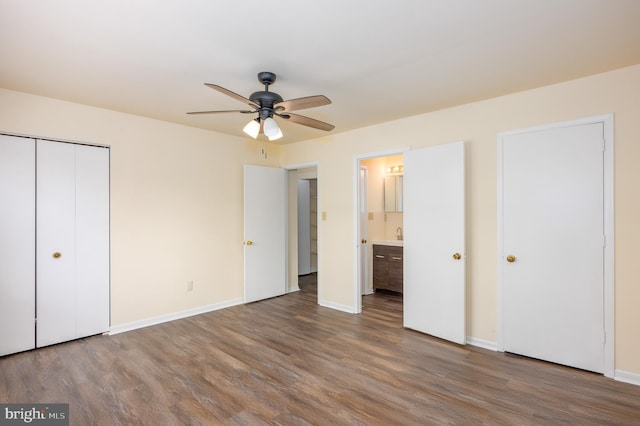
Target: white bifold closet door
17	244
72	254
54	242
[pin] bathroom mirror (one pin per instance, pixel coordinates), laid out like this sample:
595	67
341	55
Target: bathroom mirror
393	193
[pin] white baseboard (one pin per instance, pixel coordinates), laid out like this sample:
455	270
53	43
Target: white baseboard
336	306
627	377
620	375
485	344
173	316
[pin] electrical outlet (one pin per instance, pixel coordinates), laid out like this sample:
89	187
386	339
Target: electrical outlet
189	285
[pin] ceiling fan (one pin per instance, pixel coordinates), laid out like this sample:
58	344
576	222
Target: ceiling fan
269	104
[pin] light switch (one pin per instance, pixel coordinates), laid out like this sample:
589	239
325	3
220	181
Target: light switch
324	215
370	215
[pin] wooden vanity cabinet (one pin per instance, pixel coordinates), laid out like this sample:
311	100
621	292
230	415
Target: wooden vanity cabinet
387	268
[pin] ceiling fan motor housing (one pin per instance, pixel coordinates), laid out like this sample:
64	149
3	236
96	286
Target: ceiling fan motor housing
264	98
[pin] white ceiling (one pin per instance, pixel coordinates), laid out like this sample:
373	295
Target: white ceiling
377	60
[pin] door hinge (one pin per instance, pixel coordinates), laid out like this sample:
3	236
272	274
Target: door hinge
604	241
604	337
604	144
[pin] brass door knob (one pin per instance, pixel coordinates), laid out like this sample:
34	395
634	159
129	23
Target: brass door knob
364	241
511	258
57	255
249	242
457	256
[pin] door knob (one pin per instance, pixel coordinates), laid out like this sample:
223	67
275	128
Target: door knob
511	258
57	255
364	241
457	256
249	242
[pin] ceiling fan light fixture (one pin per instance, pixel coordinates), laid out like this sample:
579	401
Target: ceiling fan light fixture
252	128
271	129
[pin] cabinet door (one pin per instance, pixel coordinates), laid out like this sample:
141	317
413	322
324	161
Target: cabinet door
17	244
72	242
395	269
380	268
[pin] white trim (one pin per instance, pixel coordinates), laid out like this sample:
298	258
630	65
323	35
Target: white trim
339	307
43	138
485	344
385	153
609	250
627	377
609	223
357	293
173	316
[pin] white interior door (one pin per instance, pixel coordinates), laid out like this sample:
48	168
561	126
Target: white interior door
552	206
92	240
56	248
264	232
434	241
17	244
72	255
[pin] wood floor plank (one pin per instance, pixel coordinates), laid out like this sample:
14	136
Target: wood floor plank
289	361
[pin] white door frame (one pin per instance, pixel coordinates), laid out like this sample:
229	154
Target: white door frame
357	293
609	255
363	233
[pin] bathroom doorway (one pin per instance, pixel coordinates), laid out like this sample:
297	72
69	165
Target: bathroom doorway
380	224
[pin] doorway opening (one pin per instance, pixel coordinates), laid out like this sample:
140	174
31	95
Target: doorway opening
433	246
303	228
380	227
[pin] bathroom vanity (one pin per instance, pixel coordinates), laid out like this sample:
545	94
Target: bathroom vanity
387	265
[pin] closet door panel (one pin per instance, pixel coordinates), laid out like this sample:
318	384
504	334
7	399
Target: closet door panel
92	240
17	244
56	252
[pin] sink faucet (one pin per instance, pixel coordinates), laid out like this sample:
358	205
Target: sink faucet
399	233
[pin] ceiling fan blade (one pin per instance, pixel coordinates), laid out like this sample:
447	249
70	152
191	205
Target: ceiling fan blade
243	111
232	94
306	121
302	103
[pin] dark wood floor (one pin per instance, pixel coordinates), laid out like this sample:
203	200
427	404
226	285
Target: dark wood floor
289	361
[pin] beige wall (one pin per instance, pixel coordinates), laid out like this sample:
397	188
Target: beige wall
478	124
176	202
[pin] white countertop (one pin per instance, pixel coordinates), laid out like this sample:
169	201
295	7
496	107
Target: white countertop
397	243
